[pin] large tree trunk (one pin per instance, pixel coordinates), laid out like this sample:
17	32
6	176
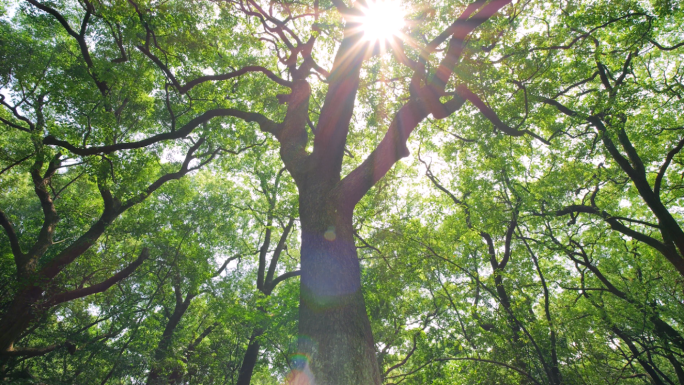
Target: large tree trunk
18	317
335	340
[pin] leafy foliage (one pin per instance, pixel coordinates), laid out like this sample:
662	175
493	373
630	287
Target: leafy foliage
163	163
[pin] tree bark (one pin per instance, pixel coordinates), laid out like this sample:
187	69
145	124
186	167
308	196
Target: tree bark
30	302
18	317
335	339
156	373
250	358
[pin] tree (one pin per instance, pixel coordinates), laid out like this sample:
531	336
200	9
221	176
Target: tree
543	242
340	354
267	278
38	102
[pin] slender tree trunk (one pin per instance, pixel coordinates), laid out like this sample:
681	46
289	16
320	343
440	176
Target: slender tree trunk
677	367
655	379
250	358
513	322
156	375
335	340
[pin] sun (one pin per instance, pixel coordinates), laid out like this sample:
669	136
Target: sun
382	20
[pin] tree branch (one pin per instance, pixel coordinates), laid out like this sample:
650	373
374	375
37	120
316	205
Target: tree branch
458	31
488	113
112	209
13	125
615	224
402	362
278	250
16	115
338	107
391	148
183	89
33	352
292	135
265	124
100	287
13	239
225	264
666	164
201	337
185	168
674	47
17	163
80	39
470	359
50	217
393	145
509	235
191	84
283	277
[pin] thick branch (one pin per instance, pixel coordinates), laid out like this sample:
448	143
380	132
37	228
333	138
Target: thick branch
674	47
509	235
278	250
31	352
80	39
615	225
565	110
666	164
212	78
292	133
263	250
225	264
14	125
457	27
488	113
669	227
603	76
201	337
112	209
183	89
100	287
634	157
283	277
338	107
50	217
635	170
12	235
459	30
265	124
341	7
392	148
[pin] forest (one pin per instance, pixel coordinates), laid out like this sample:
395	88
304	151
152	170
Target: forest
342	192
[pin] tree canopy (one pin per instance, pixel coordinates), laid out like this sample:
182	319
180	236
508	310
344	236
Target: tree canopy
258	192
